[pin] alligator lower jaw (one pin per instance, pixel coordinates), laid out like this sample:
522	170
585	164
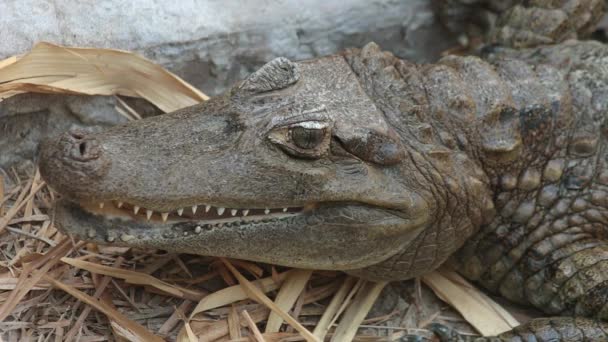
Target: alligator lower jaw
349	233
108	223
196	213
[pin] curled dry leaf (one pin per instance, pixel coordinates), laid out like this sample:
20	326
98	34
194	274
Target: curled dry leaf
50	68
288	294
487	316
236	293
134	277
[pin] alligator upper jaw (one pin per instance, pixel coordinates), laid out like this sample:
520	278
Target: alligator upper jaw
334	236
197	212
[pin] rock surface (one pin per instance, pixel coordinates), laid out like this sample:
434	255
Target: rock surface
212	43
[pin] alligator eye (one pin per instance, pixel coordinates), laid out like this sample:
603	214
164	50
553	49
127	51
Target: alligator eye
308	139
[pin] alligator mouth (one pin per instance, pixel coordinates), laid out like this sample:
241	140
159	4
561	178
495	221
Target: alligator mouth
345	234
197	213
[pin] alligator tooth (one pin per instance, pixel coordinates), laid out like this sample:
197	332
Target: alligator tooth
91	233
198	229
101	204
266	211
126	237
119	205
284	210
135	210
207	207
220	211
180	211
164	216
149	214
194	207
233	212
245	212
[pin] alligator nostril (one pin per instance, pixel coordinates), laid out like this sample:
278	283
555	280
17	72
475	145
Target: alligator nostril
83	148
77	135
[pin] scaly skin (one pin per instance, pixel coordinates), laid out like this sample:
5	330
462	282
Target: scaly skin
393	167
540	329
522	23
546	246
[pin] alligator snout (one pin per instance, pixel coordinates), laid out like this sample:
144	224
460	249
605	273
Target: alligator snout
73	162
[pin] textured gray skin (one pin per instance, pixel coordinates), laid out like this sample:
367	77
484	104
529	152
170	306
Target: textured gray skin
502	159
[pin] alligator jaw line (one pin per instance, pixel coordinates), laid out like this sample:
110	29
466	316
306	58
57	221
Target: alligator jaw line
200	212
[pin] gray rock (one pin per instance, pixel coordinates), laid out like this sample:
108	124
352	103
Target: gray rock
212	43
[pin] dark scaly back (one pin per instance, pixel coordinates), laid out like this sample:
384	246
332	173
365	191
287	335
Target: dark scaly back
522	23
556	329
570	329
546	246
529	126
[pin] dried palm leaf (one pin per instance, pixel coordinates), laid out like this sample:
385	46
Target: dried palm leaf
50	68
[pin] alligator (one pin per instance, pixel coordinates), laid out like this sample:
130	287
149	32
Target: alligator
381	168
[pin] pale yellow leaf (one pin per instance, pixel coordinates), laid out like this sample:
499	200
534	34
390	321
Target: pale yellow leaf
288	294
259	296
357	310
189	333
211	331
479	310
236	293
234	323
50	68
257	335
134	277
8	61
330	312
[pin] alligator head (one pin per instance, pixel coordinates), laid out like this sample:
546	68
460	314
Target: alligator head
295	165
